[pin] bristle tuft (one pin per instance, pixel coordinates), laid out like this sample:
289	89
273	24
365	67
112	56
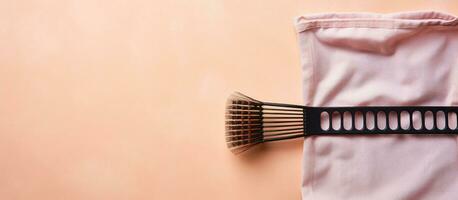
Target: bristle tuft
243	122
250	122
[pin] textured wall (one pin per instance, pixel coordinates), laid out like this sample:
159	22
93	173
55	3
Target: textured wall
125	99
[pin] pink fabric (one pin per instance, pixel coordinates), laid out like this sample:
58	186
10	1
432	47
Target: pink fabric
354	59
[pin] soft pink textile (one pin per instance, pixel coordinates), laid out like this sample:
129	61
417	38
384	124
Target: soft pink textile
351	59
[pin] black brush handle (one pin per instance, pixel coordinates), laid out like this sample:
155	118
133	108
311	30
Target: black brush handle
312	120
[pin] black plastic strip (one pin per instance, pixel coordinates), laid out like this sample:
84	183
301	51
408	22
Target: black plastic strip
312	124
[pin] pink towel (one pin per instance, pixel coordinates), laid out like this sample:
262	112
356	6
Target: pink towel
351	59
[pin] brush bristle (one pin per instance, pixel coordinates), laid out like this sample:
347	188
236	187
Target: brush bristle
250	122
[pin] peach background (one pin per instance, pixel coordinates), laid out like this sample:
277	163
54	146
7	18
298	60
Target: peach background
125	99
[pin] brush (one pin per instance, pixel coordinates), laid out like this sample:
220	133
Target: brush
250	122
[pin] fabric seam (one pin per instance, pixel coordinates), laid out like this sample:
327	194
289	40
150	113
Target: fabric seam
403	20
301	27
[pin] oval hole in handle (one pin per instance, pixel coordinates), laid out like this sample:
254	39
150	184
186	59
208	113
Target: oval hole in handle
370	120
381	120
359	122
324	119
440	120
452	120
336	121
393	120
429	120
347	121
416	120
405	120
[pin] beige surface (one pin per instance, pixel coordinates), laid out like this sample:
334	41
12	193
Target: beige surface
125	99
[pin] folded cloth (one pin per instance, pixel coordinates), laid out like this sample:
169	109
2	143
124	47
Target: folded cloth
351	59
